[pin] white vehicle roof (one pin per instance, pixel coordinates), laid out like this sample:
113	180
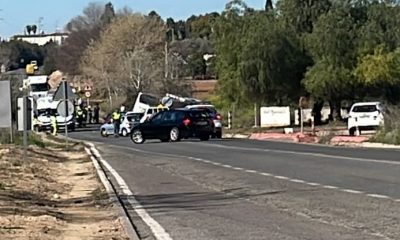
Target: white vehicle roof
37	79
366	103
200	105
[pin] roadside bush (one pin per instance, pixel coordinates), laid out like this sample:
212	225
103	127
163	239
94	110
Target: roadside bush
33	138
390	132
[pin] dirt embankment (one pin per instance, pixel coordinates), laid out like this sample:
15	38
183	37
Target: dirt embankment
54	195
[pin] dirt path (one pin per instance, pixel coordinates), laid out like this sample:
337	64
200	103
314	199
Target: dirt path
54	195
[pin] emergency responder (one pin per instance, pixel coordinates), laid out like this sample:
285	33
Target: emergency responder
79	115
116	118
53	122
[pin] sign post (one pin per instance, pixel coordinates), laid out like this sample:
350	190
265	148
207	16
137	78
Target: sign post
302	105
64	93
5	107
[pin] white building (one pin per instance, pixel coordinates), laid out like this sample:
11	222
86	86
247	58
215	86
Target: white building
42	39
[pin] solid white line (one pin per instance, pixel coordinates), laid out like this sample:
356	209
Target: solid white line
378	196
158	231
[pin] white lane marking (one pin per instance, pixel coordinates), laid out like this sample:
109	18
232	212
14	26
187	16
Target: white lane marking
281	177
262	173
250	171
297	181
378	196
226	166
266	174
313	184
329	187
158	231
303	153
352	191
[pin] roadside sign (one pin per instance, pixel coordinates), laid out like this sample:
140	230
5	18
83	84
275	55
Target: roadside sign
88	94
64	88
88	88
5	104
61	108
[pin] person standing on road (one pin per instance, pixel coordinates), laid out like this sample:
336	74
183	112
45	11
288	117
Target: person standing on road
96	113
53	122
79	115
90	114
116	117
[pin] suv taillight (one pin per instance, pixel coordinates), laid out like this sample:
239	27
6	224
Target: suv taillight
186	122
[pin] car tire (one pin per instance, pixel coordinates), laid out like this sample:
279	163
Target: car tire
352	131
124	132
218	134
174	135
137	137
103	132
205	138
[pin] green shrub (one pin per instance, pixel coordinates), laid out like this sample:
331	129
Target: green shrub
390	132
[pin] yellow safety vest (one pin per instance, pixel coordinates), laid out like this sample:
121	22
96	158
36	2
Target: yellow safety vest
116	116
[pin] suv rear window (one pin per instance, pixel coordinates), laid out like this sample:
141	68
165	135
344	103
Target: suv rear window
199	114
365	108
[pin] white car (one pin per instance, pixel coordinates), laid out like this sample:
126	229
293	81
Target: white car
128	120
365	116
151	111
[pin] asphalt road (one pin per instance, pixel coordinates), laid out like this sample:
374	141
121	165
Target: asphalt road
243	189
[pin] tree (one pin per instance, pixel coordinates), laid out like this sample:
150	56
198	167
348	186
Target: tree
332	46
128	56
380	71
271	64
108	14
83	29
301	15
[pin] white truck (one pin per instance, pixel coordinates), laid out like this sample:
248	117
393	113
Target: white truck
38	86
45	106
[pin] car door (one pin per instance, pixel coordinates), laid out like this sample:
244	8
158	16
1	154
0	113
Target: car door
168	122
151	127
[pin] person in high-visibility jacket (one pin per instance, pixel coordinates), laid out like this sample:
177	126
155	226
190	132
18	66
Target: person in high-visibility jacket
79	116
116	118
53	122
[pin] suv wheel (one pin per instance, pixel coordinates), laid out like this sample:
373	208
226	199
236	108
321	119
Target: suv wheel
137	137
218	134
124	132
174	135
204	138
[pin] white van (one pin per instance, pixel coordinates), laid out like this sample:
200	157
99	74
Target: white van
365	116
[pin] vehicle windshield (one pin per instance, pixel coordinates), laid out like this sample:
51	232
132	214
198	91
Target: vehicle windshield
40	87
134	117
365	108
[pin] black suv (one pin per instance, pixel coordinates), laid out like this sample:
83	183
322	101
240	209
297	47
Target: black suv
173	125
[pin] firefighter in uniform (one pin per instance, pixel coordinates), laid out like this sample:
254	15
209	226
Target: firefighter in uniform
116	118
